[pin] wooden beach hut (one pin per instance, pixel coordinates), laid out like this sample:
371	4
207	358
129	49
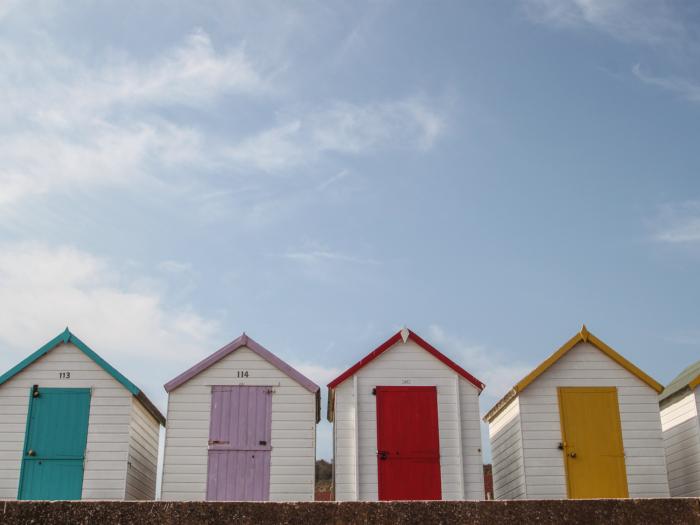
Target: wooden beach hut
679	423
406	425
583	424
243	428
72	427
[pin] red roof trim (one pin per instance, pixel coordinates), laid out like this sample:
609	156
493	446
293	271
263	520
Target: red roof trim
420	342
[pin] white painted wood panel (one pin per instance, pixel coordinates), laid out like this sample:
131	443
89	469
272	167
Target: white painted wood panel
507	453
108	432
293	438
679	422
407	364
142	465
585	365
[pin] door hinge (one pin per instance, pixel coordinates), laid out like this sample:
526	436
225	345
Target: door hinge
35	390
374	391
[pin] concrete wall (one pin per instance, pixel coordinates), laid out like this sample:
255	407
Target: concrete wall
572	512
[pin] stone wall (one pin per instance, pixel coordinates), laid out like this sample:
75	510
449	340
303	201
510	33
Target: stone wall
608	512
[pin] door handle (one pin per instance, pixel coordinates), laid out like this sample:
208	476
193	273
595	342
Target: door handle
31	452
382	454
572	454
262	442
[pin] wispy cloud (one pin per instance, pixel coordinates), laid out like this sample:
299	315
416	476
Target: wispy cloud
43	288
66	124
499	371
680	86
653	23
342	128
315	257
678	223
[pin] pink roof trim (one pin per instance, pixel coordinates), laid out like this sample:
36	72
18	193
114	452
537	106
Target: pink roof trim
234	345
390	343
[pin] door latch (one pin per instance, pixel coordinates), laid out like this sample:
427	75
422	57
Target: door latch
572	454
383	454
31	452
262	442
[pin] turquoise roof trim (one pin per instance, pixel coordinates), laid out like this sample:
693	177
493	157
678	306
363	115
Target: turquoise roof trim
67	337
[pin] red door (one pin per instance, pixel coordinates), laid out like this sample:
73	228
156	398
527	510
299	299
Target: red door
408	443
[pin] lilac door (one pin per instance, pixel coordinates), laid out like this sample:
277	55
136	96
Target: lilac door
239	443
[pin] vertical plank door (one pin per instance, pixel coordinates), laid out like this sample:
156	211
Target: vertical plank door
239	443
408	443
594	457
54	444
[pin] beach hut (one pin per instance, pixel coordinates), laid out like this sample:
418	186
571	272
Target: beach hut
679	423
72	427
583	424
243	428
406	426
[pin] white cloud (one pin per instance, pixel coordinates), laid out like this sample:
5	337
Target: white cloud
318	256
678	223
45	288
678	85
64	124
344	128
652	23
498	371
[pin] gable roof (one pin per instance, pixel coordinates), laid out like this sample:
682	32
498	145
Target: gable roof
584	336
688	379
402	335
245	341
67	337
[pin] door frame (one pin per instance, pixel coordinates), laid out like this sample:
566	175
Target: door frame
618	427
28	426
406	388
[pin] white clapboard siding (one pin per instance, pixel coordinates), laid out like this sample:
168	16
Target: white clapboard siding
293	439
679	422
108	432
355	424
142	465
585	365
506	440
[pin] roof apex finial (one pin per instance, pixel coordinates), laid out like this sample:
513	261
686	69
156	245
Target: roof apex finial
66	335
405	332
584	332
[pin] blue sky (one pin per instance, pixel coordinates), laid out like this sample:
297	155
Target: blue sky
319	174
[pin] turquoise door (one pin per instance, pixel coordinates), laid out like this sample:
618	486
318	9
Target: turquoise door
54	444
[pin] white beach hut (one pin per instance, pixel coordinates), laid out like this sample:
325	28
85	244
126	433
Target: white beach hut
72	427
679	422
243	428
406	426
583	424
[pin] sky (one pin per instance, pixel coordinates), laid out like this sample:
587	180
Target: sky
319	174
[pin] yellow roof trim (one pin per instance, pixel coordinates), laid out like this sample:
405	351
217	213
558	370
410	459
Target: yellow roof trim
695	382
584	336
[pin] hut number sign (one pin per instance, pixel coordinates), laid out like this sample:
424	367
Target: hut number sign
242	374
64	375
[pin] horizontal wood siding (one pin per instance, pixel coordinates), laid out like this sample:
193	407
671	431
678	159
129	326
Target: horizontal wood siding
293	430
108	433
507	453
679	423
585	365
407	364
142	466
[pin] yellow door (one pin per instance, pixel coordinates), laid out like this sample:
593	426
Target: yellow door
592	438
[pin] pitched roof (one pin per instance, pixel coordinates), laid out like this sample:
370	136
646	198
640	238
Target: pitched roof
402	335
584	336
245	341
687	379
67	337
